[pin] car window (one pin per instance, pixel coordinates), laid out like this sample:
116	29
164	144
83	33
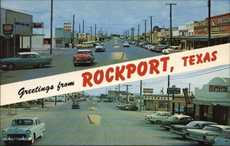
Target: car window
22	122
25	55
34	56
212	128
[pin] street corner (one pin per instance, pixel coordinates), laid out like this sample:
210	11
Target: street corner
94	119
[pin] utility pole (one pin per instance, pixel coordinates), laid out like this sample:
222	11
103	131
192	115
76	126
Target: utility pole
83	26
91	33
141	98
167	91
127	93
79	28
138	33
209	22
151	27
51	27
73	31
145	29
170	15
132	33
95	31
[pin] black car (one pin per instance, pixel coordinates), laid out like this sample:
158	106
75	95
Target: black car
75	106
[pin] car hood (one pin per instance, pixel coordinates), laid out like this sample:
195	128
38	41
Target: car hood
179	126
202	132
18	129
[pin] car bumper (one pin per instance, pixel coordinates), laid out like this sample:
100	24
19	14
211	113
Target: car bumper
83	62
16	139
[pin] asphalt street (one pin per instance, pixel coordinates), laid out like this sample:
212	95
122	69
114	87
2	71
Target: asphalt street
66	126
62	61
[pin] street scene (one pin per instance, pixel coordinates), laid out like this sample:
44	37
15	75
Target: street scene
49	37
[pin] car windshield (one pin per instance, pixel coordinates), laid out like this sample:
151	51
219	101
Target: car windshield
22	122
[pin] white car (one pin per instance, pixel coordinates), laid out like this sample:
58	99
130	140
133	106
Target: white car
159	116
126	44
208	134
149	116
25	130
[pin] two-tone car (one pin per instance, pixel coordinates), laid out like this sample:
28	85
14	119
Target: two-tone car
24	130
159	116
208	134
83	56
25	59
182	129
176	119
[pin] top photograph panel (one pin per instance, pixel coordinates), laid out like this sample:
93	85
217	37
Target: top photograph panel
48	37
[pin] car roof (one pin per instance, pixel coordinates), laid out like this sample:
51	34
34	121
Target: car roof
180	115
27	53
34	118
201	122
84	50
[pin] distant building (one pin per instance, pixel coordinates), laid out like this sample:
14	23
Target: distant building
62	37
212	101
16	32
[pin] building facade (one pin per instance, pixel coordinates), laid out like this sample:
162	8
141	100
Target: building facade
212	101
20	38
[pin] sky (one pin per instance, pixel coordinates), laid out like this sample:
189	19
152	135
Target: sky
116	16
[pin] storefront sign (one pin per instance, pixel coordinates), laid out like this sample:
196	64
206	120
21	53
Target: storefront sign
38	25
173	90
8	29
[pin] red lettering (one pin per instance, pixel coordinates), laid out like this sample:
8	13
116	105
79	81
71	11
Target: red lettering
185	58
108	77
165	63
131	68
87	76
98	76
154	64
119	72
192	60
207	57
142	68
199	58
214	55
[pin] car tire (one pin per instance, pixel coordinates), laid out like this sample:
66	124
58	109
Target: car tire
10	66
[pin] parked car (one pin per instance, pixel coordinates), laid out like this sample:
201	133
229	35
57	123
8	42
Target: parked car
176	119
208	134
159	48
75	105
126	44
149	116
129	107
25	130
159	116
171	49
182	129
83	56
99	48
25	59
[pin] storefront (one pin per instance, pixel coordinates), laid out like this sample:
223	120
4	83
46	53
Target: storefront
17	39
212	101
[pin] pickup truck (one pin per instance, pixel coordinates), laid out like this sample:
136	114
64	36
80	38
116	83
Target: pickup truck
25	130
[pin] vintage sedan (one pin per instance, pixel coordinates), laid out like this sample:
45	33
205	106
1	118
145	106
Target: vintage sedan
83	56
24	130
159	116
99	48
176	119
182	129
208	134
25	59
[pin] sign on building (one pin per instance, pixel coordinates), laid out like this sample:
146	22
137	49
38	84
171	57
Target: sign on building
67	27
38	25
8	29
147	91
173	90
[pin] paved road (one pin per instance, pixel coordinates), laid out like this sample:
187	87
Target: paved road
66	126
62	61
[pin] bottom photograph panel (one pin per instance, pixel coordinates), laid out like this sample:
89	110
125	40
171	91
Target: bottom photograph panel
191	109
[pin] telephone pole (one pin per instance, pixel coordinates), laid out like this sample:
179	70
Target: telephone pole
151	27
83	26
91	33
132	34
209	22
51	27
79	27
145	29
138	33
73	31
170	15
95	31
